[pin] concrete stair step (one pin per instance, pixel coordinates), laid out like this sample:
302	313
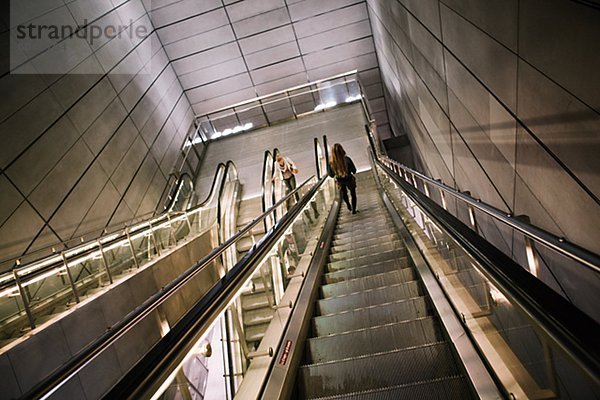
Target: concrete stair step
255	333
258	316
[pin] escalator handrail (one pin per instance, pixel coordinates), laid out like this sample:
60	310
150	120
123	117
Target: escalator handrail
559	244
70	368
273	166
317	146
173	198
268	155
570	328
170	350
228	166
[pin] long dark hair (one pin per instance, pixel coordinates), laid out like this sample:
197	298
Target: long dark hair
338	162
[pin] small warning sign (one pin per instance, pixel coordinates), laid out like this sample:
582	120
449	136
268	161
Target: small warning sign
286	352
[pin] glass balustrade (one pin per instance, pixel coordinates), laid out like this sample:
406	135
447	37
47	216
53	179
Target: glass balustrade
228	351
36	292
524	358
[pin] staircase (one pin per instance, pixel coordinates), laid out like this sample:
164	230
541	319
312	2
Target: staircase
256	309
374	333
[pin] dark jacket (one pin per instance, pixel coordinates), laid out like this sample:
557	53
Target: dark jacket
346	179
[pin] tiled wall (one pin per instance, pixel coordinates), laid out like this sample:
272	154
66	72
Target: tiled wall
501	98
228	51
82	150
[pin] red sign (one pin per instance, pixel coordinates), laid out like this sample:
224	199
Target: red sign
286	352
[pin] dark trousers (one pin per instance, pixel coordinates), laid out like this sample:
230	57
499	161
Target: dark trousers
290	184
344	189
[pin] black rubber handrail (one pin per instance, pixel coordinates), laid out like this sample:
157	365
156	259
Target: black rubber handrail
76	363
570	328
273	166
266	164
173	196
156	365
228	166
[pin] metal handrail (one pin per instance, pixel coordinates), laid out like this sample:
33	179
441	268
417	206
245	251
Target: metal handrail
266	96
52	383
559	244
573	330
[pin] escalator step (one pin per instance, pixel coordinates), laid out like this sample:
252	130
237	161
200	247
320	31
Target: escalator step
373	249
353	245
367	282
369	297
366	259
397	367
451	387
366	270
364	232
372	223
371	340
398	311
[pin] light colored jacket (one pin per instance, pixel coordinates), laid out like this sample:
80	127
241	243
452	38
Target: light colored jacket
287	169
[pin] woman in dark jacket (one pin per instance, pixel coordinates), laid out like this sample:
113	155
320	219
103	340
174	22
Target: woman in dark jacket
342	168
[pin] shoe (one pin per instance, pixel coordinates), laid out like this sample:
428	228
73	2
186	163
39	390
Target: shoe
349	208
355	212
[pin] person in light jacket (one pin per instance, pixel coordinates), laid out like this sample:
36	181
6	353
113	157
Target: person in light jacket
288	172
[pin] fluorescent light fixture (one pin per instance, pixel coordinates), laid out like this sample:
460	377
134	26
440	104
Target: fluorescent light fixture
350	99
235	129
322	106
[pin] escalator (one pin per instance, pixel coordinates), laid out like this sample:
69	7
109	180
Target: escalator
374	333
401	300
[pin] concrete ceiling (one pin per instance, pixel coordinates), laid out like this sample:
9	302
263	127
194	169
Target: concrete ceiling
228	51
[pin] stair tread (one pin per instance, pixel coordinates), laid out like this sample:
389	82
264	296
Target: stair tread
368	269
373	339
396	311
373	371
447	387
368	281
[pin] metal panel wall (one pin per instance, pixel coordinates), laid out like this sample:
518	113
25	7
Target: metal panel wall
500	98
91	143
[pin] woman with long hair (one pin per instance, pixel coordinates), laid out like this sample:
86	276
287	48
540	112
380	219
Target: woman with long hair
342	168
